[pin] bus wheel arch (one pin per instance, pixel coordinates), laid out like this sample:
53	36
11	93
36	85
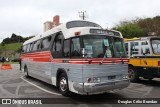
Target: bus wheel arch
62	82
132	73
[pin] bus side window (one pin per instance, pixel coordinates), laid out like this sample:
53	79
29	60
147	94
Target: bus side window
57	46
31	46
66	48
126	47
134	48
24	49
75	48
36	45
46	42
28	47
146	46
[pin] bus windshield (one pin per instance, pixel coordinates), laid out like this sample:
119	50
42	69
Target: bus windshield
156	46
99	46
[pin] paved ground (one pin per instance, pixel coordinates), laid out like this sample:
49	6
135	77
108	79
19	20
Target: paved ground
13	84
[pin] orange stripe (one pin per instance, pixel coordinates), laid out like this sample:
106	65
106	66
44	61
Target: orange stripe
47	57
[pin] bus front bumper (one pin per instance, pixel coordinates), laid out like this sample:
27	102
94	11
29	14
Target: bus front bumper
95	88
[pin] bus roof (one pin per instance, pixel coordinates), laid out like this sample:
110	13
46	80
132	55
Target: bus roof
70	28
141	38
132	39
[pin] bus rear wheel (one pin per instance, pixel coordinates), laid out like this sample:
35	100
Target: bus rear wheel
132	73
63	84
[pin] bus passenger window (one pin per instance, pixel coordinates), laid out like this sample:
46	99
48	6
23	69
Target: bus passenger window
155	43
28	48
31	45
24	49
36	45
126	47
135	48
66	48
75	48
57	45
146	46
46	42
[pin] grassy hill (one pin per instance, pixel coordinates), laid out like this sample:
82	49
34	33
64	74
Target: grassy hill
10	50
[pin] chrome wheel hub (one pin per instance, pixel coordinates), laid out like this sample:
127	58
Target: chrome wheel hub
63	84
131	73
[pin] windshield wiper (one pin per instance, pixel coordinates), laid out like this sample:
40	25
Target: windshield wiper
120	55
103	58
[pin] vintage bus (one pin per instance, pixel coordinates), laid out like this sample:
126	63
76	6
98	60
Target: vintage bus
144	54
79	57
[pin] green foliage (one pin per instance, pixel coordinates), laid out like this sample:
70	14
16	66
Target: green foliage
15	39
139	27
9	50
131	30
13	46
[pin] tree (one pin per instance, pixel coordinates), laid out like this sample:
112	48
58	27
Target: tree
6	41
130	30
150	24
139	27
14	38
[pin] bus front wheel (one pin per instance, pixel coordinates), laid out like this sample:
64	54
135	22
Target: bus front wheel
63	84
132	73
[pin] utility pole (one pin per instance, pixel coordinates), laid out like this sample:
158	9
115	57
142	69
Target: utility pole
83	15
19	38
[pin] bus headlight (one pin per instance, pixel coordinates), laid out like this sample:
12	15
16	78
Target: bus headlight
95	79
125	77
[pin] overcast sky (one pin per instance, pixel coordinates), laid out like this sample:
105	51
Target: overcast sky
26	17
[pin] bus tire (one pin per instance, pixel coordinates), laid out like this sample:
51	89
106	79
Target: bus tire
150	79
26	71
132	73
63	84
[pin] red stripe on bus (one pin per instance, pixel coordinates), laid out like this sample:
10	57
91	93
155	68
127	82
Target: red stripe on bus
47	57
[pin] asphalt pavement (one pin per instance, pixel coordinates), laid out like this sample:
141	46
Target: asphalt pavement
13	84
